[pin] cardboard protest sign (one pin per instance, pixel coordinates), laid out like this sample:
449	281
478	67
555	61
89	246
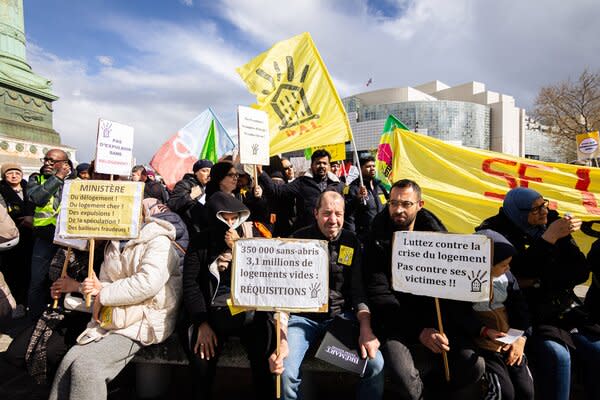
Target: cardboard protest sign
449	266
79	244
253	130
101	209
281	274
114	148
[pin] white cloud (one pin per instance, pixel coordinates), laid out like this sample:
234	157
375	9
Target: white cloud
174	71
187	3
107	61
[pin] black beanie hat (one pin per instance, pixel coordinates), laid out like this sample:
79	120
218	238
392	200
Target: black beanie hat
202	164
502	247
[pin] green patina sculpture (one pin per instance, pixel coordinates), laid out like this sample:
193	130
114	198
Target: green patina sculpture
25	97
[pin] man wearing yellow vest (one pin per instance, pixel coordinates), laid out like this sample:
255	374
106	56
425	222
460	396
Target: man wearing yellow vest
45	191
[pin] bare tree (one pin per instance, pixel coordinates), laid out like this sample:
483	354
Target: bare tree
570	108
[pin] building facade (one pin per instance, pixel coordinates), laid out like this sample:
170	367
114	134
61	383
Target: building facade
466	115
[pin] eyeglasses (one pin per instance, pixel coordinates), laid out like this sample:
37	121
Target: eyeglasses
51	161
233	175
404	204
538	209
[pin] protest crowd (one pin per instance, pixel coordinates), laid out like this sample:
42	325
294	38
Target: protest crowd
175	278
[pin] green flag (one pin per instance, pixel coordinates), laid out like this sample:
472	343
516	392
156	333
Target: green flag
385	153
209	149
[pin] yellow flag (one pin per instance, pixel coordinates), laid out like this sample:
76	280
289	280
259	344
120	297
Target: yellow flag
463	186
292	85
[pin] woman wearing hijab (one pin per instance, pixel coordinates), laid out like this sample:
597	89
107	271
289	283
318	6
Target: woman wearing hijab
548	265
206	291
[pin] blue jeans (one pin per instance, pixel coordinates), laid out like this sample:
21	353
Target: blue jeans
302	332
552	372
588	354
39	287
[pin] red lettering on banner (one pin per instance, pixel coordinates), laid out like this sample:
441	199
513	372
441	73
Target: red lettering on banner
588	198
524	179
486	166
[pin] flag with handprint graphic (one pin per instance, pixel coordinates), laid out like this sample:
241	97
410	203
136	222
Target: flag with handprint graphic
292	85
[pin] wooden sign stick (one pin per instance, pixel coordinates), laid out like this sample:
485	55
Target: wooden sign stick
441	329
88	297
63	273
277	351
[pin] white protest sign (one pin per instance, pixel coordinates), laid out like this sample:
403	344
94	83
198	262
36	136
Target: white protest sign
253	130
281	274
114	148
100	209
449	266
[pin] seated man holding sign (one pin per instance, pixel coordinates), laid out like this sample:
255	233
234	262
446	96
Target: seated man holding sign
406	323
346	300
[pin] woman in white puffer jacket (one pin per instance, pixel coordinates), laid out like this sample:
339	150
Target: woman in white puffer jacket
137	298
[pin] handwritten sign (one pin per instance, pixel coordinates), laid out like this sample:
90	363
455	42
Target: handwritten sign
253	129
101	209
114	148
282	274
449	266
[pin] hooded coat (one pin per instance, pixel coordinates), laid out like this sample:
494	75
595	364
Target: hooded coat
145	271
201	277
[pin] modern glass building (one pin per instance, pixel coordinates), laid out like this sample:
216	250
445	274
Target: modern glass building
467	115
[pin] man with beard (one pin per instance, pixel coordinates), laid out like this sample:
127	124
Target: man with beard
305	189
45	191
364	202
411	345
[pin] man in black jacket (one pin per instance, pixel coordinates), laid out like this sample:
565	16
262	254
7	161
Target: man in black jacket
364	202
189	196
346	300
411	345
305	189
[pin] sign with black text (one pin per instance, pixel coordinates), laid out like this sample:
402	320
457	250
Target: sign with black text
448	266
101	209
253	129
281	274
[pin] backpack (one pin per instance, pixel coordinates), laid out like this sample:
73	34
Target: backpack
9	234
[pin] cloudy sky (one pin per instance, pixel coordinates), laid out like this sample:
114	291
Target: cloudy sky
155	65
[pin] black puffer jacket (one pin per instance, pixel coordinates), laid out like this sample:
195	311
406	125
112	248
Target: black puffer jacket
547	274
190	210
397	315
305	190
359	214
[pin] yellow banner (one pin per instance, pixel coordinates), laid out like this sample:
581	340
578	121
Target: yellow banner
101	209
292	85
463	186
337	151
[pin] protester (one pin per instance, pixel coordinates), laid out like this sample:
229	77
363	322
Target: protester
152	188
189	195
548	265
288	169
506	373
83	171
364	202
411	345
206	293
251	195
40	348
136	302
154	208
305	189
592	297
223	178
282	211
44	192
346	300
17	261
